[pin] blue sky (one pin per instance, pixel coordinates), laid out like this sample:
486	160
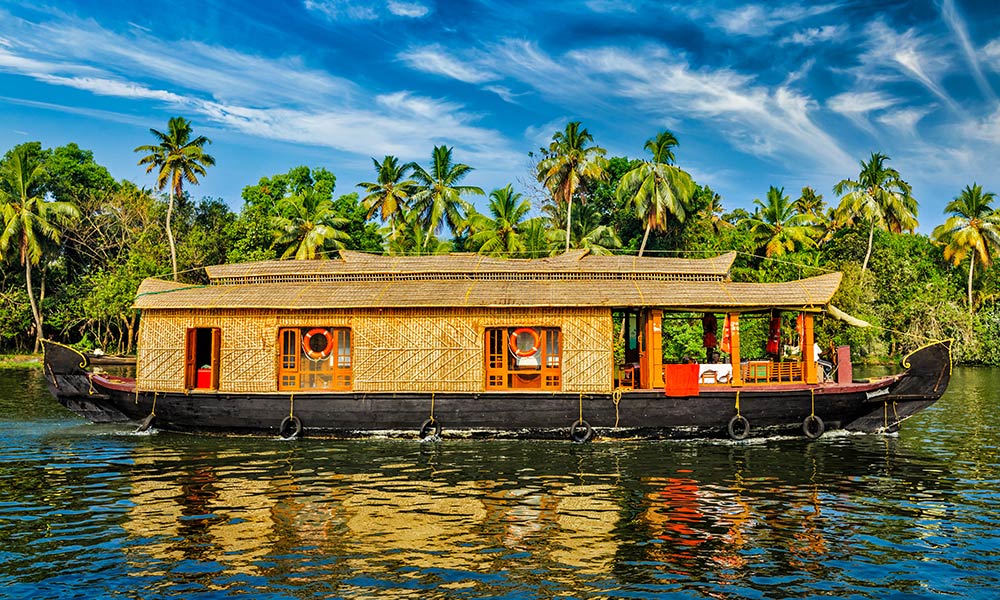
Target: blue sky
758	94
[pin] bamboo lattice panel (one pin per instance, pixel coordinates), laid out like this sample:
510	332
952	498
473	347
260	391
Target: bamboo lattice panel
392	350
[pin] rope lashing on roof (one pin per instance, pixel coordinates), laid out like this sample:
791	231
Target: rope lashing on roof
179	289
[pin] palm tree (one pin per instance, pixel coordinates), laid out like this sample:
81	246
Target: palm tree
501	235
777	227
390	193
412	238
590	234
308	225
439	199
178	158
657	188
28	220
568	165
973	230
880	197
713	209
539	238
810	203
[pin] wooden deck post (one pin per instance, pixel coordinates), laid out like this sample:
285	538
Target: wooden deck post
652	373
734	351
808	355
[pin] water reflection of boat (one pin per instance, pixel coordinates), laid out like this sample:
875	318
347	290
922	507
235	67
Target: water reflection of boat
480	346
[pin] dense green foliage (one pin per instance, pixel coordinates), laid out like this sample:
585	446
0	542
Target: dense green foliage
93	239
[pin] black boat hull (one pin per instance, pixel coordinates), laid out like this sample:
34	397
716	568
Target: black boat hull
869	406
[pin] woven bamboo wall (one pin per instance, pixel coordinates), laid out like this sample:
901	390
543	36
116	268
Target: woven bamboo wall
393	350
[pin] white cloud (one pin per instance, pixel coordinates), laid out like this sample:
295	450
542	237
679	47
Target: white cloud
343	10
957	24
815	35
856	106
408	9
280	99
756	119
758	20
991	54
439	61
904	121
919	58
852	103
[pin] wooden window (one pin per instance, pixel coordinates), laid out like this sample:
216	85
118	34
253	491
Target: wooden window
523	358
315	358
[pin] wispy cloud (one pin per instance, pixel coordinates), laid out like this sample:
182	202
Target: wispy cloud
408	9
856	106
816	35
654	81
366	10
438	60
920	58
343	10
759	20
957	25
258	96
904	121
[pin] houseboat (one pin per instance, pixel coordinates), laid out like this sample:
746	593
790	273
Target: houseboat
466	345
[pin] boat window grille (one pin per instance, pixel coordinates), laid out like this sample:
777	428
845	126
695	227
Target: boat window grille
492	276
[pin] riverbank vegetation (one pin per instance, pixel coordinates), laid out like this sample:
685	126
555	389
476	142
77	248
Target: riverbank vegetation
76	243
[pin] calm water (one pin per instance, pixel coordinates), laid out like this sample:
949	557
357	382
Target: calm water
91	511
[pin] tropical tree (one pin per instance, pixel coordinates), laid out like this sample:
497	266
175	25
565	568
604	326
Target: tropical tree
777	227
589	233
390	193
810	203
28	220
177	158
712	209
412	238
656	188
973	230
539	238
569	163
501	235
439	196
309	224
879	198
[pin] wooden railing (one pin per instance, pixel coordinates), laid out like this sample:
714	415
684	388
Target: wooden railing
765	371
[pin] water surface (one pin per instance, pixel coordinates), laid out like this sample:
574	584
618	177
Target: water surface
89	511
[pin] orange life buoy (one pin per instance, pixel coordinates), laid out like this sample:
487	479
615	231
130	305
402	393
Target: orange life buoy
515	349
307	345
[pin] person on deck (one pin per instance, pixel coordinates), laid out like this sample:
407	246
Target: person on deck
823	367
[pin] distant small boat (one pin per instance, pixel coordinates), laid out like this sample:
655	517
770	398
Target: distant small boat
464	345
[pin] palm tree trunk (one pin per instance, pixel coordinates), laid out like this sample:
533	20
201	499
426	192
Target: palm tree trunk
569	219
170	233
972	263
645	236
36	315
871	234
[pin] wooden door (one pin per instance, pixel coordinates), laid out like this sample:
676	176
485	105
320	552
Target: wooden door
190	359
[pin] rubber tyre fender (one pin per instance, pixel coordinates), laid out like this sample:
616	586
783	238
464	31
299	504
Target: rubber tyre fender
429	426
580	431
743	423
290	428
813	427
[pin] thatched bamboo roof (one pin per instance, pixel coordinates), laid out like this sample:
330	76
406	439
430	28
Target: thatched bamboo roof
578	264
432	292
